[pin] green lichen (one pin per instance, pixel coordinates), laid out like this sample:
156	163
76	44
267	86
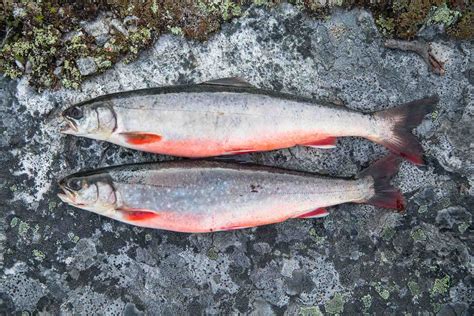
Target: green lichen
176	30
46	37
38	255
77	46
386	25
414	288
224	8
310	311
388	233
261	2
440	286
382	290
72	237
318	240
41	36
335	306
418	235
443	15
136	41
52	205
33	54
463	227
71	75
102	62
436	307
154	7
14	222
212	253
366	302
23	228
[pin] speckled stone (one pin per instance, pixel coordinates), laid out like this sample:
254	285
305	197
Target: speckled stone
359	259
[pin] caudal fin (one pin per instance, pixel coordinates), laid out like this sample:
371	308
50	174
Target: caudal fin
385	195
397	124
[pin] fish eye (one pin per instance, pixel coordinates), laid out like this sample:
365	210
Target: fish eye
74	184
74	112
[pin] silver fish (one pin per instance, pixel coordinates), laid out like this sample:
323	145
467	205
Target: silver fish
229	116
203	196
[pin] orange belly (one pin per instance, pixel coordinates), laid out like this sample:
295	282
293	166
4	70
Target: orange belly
196	223
206	148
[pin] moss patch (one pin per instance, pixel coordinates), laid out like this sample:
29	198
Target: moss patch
44	40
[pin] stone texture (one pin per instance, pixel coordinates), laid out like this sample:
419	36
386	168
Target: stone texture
359	259
86	66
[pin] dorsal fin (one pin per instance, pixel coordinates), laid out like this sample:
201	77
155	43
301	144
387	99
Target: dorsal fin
230	81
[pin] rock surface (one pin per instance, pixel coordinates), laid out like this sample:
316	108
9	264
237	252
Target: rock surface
86	66
360	259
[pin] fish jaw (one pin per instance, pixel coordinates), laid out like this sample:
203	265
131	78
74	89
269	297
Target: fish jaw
65	198
69	197
69	128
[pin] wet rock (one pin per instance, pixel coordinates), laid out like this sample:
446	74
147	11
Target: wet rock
86	66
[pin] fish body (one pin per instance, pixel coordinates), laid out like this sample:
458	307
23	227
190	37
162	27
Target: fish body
218	118
203	196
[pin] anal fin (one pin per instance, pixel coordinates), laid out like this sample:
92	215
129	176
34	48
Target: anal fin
326	143
240	151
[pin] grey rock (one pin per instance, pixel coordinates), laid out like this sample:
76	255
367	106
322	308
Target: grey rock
454	215
118	25
99	29
64	260
86	66
131	310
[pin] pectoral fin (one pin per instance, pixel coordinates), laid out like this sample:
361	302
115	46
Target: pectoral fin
140	138
137	214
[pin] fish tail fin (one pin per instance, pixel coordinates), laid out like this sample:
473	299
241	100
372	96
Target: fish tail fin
382	193
400	121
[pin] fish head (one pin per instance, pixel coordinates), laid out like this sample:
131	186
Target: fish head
94	119
94	193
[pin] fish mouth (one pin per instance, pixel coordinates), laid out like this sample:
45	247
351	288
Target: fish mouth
68	196
70	127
